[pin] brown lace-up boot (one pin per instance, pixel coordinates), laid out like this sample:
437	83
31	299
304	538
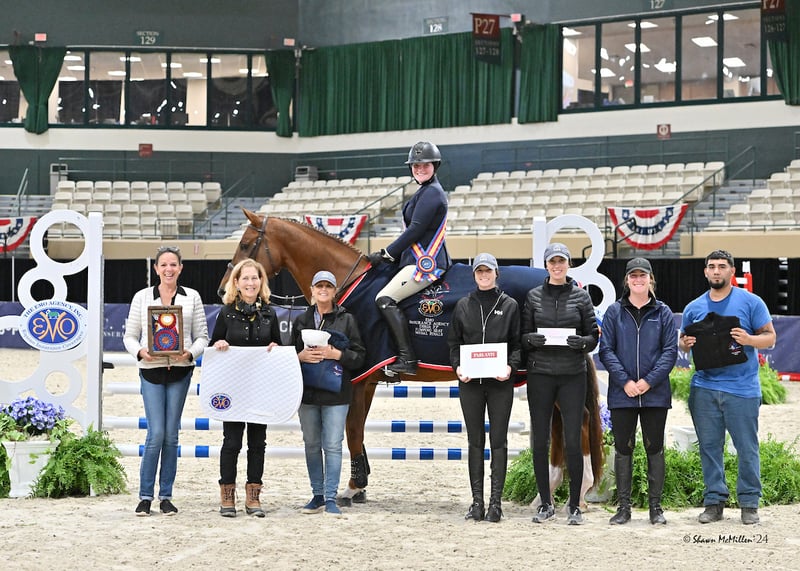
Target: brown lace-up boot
252	503
227	500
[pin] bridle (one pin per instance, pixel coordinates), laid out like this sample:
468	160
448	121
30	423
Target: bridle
262	237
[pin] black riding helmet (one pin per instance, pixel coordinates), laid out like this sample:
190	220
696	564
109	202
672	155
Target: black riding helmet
424	152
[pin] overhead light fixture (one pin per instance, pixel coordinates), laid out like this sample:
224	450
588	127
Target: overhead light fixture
733	62
567	32
76	67
117	73
704	41
72	57
643	25
243	70
605	72
212	60
192	74
172	65
725	18
62	78
665	66
132	59
632	48
604	53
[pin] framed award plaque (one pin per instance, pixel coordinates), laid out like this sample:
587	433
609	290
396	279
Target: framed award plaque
165	330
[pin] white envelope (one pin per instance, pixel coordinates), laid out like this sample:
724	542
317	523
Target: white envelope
484	360
555	335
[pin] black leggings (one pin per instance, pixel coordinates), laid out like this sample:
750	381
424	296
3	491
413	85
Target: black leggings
232	433
476	398
569	391
623	426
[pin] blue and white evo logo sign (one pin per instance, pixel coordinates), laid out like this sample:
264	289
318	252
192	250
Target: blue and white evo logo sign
53	325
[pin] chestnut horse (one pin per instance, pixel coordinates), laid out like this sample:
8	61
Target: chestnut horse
302	249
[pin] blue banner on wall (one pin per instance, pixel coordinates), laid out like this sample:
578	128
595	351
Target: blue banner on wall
114	318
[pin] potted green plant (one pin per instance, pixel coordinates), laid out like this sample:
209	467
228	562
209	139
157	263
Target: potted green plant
30	430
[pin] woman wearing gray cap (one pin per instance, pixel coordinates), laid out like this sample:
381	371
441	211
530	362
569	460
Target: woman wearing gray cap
326	388
558	330
639	348
486	315
247	320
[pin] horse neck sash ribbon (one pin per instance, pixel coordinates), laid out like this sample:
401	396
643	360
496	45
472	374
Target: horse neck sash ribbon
426	259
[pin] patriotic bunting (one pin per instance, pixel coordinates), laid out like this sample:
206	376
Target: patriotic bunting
346	228
647	228
13	231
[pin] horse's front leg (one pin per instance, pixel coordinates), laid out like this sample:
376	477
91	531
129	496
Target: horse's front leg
556	477
354	427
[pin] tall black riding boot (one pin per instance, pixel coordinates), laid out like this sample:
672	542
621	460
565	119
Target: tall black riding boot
656	470
623	468
499	464
475	466
406	361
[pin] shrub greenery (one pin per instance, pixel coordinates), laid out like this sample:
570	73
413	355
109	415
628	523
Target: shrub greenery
683	484
772	391
79	466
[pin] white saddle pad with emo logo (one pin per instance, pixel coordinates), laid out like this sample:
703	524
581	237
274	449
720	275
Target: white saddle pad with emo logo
251	384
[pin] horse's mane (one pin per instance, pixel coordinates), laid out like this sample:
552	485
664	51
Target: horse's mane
308	226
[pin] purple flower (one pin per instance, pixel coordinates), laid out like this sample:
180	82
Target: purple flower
33	416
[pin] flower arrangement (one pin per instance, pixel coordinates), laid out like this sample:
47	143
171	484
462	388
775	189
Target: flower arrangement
32	419
605	423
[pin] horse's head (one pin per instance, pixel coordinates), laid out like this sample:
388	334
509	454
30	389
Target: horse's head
254	245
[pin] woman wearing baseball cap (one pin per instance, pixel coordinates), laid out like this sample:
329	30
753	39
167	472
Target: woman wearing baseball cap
639	348
557	372
324	407
486	315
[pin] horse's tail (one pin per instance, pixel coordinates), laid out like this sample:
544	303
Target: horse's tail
597	450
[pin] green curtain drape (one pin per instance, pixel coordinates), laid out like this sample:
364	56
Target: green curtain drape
394	85
37	70
786	57
540	73
281	68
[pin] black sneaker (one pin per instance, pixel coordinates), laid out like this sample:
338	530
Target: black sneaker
575	517
544	513
143	509
167	507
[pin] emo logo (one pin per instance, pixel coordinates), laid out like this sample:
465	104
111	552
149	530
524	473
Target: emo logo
431	303
53	325
220	401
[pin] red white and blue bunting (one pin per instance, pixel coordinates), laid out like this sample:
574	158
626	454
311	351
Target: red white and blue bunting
346	228
13	231
647	228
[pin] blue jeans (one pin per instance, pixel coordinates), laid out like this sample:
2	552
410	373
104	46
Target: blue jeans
323	431
712	413
163	406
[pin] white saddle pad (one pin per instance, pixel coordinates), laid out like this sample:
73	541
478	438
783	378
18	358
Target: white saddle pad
251	384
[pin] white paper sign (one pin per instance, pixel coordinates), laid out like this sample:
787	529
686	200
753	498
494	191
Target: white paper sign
555	335
251	384
484	360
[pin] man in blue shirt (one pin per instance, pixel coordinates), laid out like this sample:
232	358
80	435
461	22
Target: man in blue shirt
728	397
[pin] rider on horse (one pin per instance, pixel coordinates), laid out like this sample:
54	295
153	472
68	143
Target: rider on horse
420	249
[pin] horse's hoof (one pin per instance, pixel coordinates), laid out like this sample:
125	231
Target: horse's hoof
344	502
360	497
